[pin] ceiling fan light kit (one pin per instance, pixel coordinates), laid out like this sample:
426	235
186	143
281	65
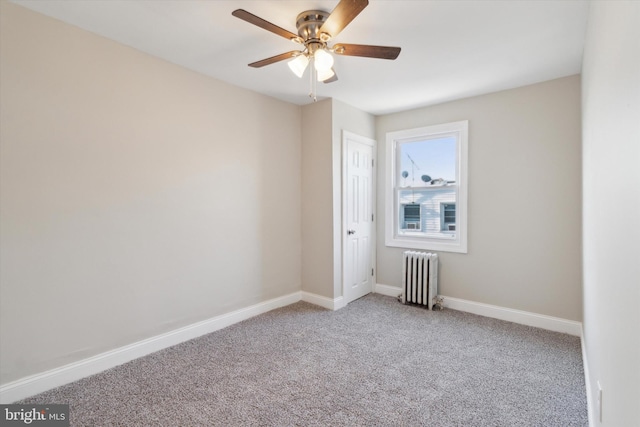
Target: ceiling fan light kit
315	29
322	60
299	64
324	75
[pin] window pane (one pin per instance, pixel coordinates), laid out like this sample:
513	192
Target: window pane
422	211
427	162
428	168
412	212
449	214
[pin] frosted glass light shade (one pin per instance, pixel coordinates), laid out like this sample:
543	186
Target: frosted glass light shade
299	64
323	60
325	74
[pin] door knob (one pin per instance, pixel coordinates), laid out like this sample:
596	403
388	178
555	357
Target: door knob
349	232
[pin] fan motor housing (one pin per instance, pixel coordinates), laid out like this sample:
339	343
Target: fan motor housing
309	22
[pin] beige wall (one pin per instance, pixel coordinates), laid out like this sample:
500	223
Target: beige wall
136	196
317	199
524	199
611	209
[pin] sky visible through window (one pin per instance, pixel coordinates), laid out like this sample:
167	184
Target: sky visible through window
432	158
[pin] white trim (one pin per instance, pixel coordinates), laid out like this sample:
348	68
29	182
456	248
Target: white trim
328	303
56	377
461	130
591	412
541	321
390	291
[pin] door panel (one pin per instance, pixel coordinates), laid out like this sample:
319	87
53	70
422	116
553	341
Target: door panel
358	259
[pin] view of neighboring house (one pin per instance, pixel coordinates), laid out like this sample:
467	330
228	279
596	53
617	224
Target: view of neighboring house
429	210
427	201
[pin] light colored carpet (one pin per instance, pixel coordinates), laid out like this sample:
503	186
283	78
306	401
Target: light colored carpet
375	362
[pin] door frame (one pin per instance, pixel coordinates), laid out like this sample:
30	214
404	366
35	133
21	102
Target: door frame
346	137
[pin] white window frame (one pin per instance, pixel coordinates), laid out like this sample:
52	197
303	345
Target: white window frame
434	243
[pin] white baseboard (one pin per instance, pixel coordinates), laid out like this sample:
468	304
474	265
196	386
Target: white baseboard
511	315
331	304
390	291
591	413
44	381
541	321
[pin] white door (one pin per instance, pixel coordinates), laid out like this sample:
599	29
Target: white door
358	221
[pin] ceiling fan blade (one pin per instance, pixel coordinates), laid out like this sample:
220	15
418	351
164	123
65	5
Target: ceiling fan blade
369	51
255	20
340	17
332	78
276	58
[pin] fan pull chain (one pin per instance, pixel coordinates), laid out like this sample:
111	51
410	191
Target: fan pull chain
313	76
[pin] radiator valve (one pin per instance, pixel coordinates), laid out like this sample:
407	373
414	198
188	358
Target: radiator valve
438	303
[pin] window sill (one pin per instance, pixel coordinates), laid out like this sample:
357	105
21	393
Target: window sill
439	244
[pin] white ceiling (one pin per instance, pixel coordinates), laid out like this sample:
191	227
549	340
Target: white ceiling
450	49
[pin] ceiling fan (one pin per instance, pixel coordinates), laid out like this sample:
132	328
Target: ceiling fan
315	29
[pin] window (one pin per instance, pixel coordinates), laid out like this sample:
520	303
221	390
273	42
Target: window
448	220
411	220
426	191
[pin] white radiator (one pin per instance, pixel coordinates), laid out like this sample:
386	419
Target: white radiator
419	278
